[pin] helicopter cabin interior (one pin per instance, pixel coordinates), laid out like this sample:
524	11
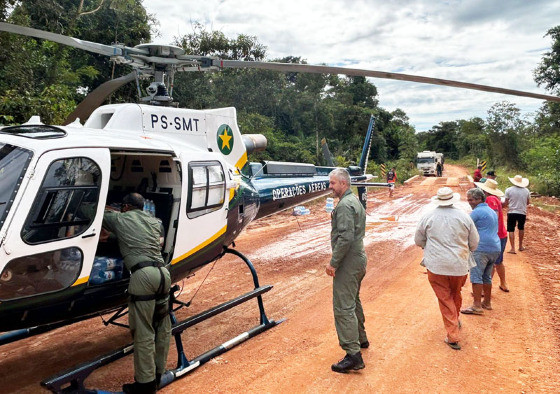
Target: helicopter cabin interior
157	177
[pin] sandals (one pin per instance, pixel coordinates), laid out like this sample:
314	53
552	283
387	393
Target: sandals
453	345
487	307
472	311
504	289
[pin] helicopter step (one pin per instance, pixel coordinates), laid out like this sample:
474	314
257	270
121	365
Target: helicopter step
72	380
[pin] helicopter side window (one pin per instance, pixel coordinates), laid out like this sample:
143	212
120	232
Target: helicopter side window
40	273
207	187
66	203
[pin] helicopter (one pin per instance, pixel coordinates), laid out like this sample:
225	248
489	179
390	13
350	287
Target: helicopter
191	166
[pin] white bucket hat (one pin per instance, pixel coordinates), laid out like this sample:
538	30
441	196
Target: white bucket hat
518	180
445	197
490	186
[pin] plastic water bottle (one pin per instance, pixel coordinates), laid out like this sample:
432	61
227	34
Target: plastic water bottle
106	269
300	210
146	206
98	277
152	208
107	275
107	263
329	206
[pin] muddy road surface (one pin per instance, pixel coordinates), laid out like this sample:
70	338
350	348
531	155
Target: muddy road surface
512	349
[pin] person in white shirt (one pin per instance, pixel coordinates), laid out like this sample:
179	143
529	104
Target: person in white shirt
517	199
448	236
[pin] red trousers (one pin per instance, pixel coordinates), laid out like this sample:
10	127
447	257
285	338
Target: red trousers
448	293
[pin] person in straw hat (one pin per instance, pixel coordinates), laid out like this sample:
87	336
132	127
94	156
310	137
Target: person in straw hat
448	235
493	194
517	199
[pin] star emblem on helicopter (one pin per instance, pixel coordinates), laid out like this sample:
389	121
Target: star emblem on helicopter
225	139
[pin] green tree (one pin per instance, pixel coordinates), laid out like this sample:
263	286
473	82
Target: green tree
548	71
441	138
543	160
44	78
505	128
471	138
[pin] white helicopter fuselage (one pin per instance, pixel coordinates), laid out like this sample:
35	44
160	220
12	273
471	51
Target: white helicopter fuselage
57	181
48	245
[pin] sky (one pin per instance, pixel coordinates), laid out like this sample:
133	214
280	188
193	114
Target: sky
491	42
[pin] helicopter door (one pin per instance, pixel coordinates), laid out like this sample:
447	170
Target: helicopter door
52	239
203	218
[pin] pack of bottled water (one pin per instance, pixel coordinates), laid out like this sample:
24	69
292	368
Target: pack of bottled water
329	206
105	269
150	207
300	210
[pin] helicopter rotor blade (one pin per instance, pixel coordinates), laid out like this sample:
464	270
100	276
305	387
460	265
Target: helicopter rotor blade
307	68
97	96
108	50
142	57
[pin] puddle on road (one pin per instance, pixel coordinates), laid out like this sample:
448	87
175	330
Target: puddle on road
394	220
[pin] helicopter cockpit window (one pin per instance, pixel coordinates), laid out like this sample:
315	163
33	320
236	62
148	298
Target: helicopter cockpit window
207	188
66	203
13	165
40	273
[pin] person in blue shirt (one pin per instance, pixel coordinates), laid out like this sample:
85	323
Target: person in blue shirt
486	254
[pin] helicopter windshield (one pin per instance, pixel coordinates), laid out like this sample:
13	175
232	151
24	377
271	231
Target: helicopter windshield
13	164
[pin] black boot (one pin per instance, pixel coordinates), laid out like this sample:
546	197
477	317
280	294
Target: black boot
349	362
364	345
158	379
140	388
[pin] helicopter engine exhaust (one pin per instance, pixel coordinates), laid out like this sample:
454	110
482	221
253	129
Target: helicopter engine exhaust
254	142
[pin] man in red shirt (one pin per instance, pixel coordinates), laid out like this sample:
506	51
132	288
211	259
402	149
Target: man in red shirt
493	194
477	174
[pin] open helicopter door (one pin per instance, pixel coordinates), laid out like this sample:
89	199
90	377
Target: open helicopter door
51	242
203	217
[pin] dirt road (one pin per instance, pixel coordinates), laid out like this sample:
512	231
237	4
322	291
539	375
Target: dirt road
512	349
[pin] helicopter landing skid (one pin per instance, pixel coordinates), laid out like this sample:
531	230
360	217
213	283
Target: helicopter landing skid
72	380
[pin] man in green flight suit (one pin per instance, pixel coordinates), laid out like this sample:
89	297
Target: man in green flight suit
139	238
347	267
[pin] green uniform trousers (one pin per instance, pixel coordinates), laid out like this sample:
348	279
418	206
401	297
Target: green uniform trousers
151	338
348	313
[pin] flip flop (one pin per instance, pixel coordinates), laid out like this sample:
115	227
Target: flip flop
453	345
504	290
472	311
512	252
521	249
487	307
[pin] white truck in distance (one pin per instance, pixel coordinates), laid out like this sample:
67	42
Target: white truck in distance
430	163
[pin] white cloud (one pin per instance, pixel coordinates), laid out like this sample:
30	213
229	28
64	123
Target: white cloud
479	41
